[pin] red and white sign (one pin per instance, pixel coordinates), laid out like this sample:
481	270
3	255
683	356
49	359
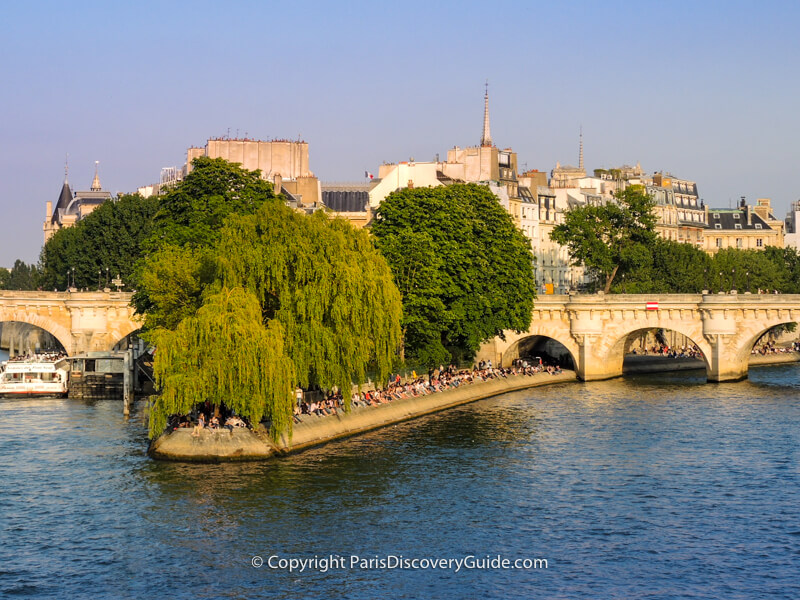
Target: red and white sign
651	306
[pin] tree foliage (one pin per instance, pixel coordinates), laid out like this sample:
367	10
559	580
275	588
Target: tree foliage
610	237
308	299
21	276
675	268
104	244
224	354
194	211
464	270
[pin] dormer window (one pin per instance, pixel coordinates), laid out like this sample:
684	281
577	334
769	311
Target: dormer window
716	215
717	225
738	226
736	215
758	226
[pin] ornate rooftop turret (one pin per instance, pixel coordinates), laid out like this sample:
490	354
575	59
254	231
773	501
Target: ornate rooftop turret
486	138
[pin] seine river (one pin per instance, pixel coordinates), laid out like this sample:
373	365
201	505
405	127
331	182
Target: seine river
647	487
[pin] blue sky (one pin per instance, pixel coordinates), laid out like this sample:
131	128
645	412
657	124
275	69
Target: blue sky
706	90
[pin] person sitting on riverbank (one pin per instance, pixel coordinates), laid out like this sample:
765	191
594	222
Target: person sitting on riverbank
201	423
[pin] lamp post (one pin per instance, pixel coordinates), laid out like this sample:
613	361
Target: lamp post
733	279
747	274
705	277
721	283
99	282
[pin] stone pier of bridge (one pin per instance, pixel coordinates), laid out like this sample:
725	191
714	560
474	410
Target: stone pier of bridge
594	328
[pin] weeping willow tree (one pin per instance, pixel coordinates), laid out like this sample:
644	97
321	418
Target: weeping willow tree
326	284
224	354
280	299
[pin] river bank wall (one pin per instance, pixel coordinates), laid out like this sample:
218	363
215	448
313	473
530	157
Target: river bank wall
242	444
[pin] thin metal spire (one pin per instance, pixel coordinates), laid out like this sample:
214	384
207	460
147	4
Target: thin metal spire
66	168
486	138
96	187
580	152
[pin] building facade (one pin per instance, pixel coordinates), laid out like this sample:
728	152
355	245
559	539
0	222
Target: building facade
741	228
71	206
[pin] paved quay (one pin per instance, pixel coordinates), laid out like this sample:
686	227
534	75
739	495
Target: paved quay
222	445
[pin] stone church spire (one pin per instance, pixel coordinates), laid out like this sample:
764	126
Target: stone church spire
486	138
96	187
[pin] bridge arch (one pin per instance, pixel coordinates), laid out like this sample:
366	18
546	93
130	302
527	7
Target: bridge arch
120	333
615	354
748	339
541	345
51	326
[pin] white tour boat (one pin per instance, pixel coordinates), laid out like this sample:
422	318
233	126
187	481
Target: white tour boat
39	376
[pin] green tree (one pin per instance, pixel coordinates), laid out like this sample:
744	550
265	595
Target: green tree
308	298
224	354
105	244
5	274
668	267
612	236
194	211
22	276
750	270
465	271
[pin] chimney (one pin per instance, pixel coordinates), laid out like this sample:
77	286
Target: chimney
48	212
749	217
278	182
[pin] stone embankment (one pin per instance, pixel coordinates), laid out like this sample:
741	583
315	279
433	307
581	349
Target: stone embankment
242	444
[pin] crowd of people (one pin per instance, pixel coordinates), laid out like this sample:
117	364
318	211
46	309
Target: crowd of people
48	356
669	352
770	348
437	380
207	416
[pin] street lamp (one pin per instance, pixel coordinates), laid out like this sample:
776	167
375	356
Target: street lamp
733	279
721	283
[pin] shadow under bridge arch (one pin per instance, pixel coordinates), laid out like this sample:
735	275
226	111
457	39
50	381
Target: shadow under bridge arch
532	348
648	350
30	334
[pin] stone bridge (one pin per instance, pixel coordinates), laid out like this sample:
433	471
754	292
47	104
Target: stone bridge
80	321
594	328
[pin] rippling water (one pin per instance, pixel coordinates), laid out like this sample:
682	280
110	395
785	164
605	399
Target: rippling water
648	487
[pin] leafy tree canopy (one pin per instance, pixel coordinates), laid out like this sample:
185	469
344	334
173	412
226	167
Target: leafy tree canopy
464	270
675	268
193	212
22	276
306	297
608	237
104	244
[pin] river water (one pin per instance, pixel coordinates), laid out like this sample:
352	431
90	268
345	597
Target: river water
645	487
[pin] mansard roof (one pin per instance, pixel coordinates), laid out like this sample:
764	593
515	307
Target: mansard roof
728	219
